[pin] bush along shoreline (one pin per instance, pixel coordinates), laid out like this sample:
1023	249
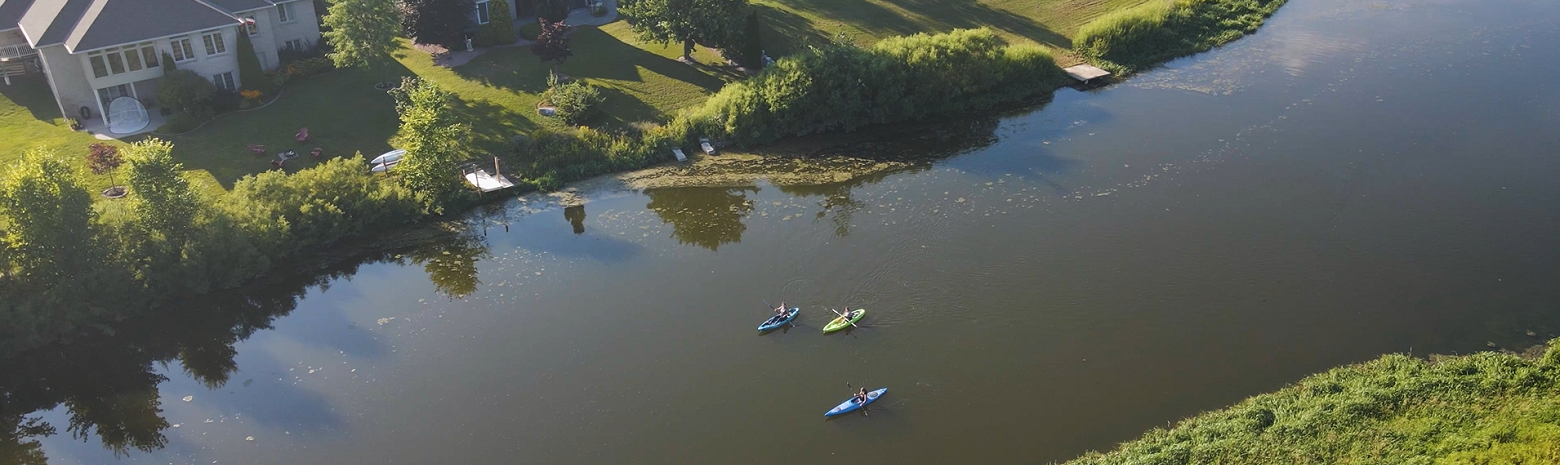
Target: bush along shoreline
1137	38
173	242
1483	408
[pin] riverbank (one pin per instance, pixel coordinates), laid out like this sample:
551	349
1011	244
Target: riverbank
1483	408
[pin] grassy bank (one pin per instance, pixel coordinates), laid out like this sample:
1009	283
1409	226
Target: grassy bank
1485	408
1129	40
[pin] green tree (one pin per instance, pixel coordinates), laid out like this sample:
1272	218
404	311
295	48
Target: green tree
249	72
164	200
362	32
714	22
435	142
500	29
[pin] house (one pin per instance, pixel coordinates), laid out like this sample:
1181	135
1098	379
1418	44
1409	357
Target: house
94	51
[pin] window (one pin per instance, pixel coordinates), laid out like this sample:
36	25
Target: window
249	25
214	43
295	44
120	60
224	81
285	11
182	50
482	12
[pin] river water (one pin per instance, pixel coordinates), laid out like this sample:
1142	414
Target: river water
1357	178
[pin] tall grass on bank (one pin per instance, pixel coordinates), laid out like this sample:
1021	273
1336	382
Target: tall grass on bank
834	87
1485	408
1133	39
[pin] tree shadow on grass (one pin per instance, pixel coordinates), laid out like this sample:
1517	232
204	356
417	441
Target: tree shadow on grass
621	109
492	126
599	55
783	32
966	14
32	92
513	68
345	115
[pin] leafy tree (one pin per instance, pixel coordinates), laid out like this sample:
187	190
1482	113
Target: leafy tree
249	72
186	92
441	22
104	159
552	44
168	65
434	140
165	201
500	29
714	22
53	235
362	32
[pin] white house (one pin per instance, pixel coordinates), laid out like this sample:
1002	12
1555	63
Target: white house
94	51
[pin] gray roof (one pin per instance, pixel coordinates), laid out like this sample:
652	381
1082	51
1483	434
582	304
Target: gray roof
75	23
11	13
244	5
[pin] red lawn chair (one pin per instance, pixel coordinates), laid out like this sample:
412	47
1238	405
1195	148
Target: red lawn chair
303	135
277	163
257	149
316	152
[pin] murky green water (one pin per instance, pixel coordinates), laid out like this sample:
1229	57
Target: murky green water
1355	179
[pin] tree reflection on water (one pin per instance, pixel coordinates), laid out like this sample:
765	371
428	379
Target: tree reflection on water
704	216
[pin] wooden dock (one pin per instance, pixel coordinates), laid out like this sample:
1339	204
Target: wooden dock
1086	73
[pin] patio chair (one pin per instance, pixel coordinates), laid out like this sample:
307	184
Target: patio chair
303	135
257	149
316	152
277	163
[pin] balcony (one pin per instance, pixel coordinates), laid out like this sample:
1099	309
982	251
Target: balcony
16	51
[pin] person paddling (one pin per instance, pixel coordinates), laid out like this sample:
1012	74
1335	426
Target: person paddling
780	311
861	397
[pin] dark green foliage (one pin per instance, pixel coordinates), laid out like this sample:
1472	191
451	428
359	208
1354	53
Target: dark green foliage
168	66
1483	408
529	31
186	92
575	100
249	72
317	207
553	11
500	29
550	157
713	22
1161	30
843	87
752	44
440	22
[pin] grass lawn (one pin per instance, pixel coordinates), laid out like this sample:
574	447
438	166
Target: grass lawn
499	90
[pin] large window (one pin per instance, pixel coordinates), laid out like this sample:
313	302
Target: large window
182	50
214	43
120	60
482	12
295	44
224	81
285	11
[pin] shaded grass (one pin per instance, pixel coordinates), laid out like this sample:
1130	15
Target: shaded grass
1486	408
29	118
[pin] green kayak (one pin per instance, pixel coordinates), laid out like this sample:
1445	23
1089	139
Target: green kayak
839	322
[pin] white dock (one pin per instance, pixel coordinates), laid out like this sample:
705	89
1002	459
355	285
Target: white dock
1086	73
486	182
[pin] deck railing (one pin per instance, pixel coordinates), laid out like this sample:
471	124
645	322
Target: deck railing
12	52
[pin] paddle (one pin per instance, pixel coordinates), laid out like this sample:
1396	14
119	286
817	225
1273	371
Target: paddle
843	316
853	394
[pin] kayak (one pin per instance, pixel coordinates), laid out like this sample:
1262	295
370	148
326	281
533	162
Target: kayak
839	323
850	405
388	157
779	320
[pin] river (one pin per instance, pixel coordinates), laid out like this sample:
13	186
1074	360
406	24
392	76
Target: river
1357	178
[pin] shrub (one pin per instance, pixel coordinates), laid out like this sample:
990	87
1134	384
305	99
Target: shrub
576	101
250	74
317	206
1160	30
186	92
440	22
310	67
224	101
843	87
435	143
500	29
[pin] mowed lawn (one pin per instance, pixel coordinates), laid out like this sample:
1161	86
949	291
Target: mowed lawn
498	92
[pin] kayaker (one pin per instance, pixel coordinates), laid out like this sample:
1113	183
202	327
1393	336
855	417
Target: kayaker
861	396
780	311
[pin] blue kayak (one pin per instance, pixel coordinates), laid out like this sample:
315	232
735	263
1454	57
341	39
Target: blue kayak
779	320
850	405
